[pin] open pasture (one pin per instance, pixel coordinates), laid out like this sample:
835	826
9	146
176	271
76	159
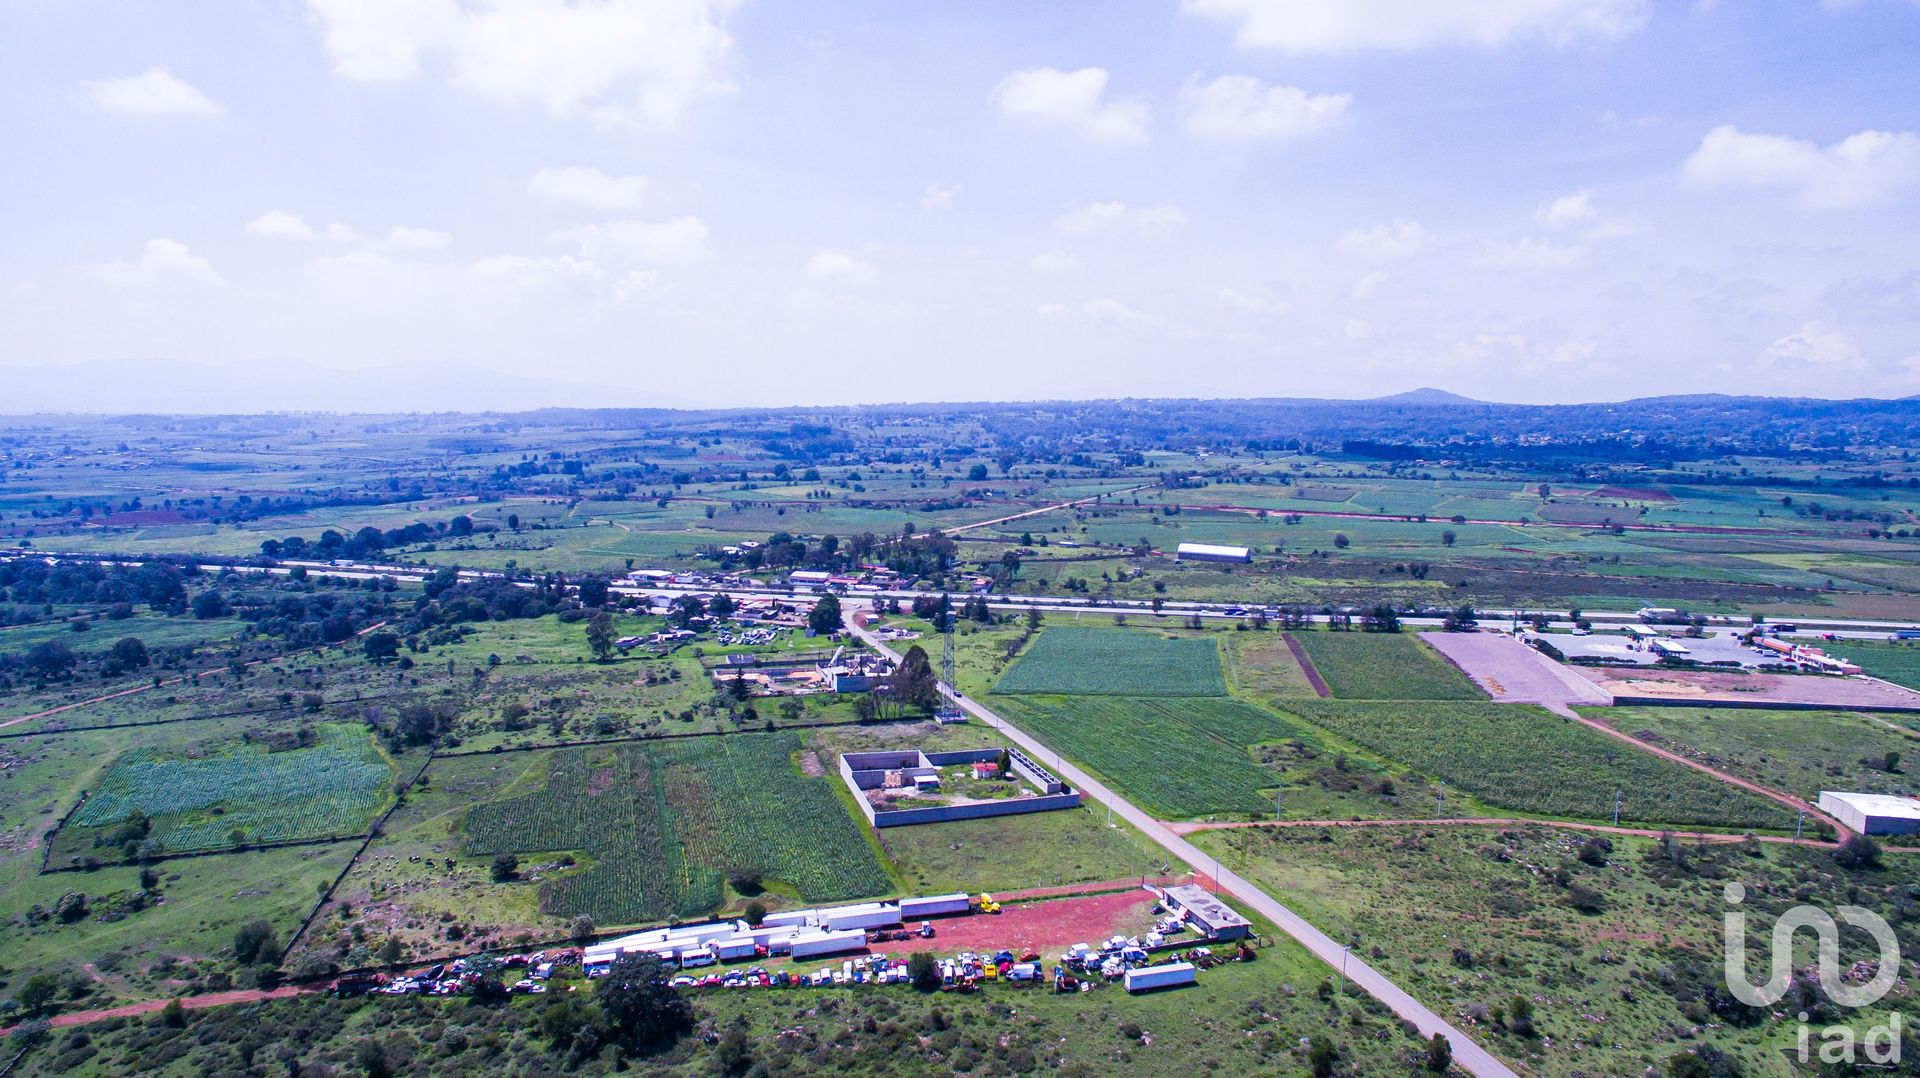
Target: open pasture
1384	666
1532	761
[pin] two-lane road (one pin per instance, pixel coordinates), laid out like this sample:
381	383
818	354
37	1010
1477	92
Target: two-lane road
1466	1054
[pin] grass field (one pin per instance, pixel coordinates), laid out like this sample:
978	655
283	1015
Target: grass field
664	824
1799	752
1080	661
1176	758
1532	761
1009	853
1898	663
1384	666
1465	918
199	799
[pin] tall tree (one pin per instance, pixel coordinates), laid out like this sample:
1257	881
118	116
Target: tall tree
825	616
600	634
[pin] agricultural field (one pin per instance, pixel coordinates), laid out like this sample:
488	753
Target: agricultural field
1898	663
1531	761
233	792
1073	660
1384	666
662	826
1176	758
1620	960
1797	752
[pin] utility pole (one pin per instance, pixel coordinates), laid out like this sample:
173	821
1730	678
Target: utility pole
1280	803
1344	951
1616	808
1797	824
1439	800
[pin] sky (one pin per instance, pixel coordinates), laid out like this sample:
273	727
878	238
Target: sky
430	204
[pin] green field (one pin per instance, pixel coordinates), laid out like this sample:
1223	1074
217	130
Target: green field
1176	758
1075	660
1898	663
1529	760
198	799
663	825
1384	666
1798	752
1465	918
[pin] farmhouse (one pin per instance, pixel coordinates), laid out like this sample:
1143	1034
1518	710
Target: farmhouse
877	778
1873	814
1211	552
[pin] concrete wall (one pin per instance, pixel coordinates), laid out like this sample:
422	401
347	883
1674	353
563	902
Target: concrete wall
1013	806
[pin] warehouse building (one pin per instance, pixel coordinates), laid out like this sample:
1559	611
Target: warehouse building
1873	814
1210	552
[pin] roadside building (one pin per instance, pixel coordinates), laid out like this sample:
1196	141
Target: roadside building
1206	913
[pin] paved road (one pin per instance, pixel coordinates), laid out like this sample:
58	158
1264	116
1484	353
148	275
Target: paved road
1468	1055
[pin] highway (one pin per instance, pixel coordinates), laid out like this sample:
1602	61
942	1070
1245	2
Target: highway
1467	1054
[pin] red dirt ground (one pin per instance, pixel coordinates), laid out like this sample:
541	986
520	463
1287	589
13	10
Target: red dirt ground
1046	927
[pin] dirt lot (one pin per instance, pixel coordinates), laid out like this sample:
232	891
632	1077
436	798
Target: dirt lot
1709	687
1512	672
1046	927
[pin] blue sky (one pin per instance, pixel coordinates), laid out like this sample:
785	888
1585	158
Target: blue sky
710	201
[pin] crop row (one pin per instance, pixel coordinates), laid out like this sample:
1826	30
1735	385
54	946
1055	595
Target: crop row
1177	757
1081	661
1384	666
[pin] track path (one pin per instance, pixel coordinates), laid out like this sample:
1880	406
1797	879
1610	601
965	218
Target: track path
1497	821
956	530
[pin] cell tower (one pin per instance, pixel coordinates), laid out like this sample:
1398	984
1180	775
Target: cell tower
950	711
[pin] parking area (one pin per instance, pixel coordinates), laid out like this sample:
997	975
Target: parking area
1045	926
1737	688
1716	648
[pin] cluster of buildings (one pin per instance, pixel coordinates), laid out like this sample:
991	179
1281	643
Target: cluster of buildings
875	776
1804	655
843	672
865	578
804	933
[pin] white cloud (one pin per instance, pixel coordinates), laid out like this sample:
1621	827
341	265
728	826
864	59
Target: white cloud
830	265
1107	309
1073	99
1859	170
939	196
410	238
1235	300
1814	345
162	261
1055	262
635	240
1399	239
1120	217
1241	108
1302	26
1574	209
280	225
1528	253
587	187
154	92
627	60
